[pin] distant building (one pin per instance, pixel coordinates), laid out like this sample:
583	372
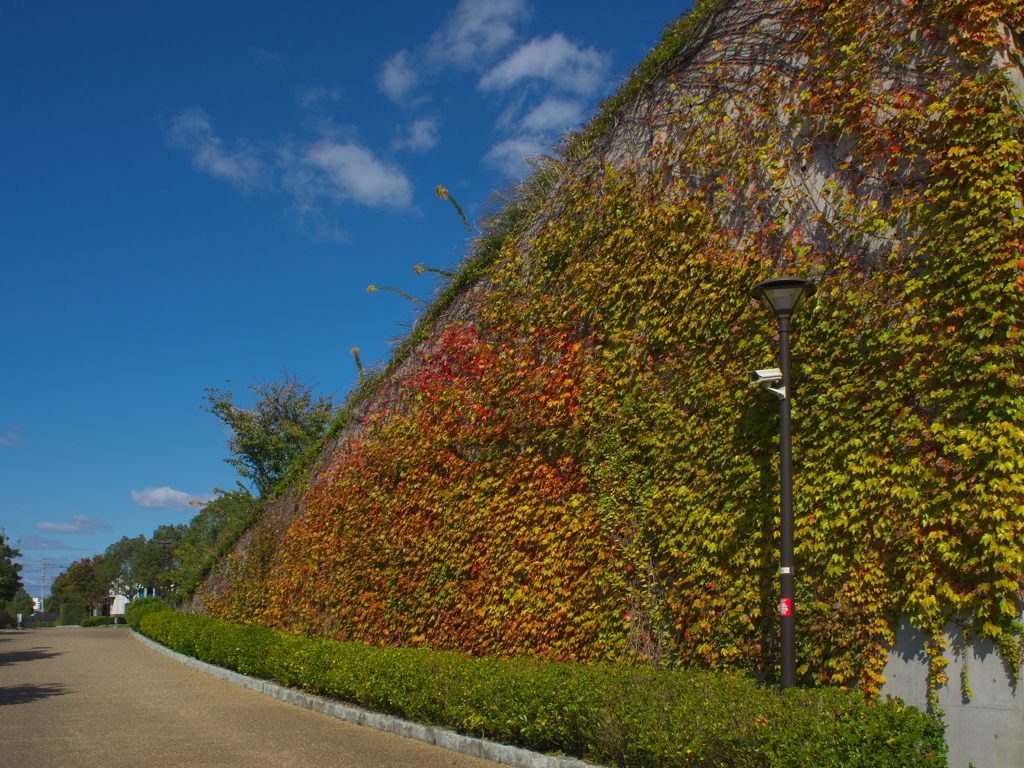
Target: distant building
117	604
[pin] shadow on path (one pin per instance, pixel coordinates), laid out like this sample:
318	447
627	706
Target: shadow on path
26	692
28	654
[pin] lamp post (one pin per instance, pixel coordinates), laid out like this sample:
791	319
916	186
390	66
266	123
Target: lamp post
782	296
163	559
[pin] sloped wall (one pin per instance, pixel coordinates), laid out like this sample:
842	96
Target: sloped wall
571	464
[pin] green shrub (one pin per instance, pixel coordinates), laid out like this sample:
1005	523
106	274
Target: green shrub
623	715
100	621
143	606
7	619
71	614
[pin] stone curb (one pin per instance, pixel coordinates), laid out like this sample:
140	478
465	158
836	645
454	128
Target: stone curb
440	737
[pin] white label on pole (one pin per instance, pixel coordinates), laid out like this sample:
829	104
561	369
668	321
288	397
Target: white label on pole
785	569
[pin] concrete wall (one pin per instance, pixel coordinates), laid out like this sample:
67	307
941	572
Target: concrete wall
985	729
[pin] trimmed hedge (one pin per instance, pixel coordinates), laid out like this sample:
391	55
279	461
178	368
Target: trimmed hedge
616	715
143	606
72	614
101	621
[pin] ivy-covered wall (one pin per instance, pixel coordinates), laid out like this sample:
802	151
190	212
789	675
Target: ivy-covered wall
572	464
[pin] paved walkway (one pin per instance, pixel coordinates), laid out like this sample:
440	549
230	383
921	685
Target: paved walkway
96	697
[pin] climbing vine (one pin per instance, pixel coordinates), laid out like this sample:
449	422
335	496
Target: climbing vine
580	471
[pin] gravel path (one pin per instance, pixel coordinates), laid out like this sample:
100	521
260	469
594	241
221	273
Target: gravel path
96	697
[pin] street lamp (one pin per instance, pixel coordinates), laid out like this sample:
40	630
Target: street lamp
163	559
782	296
163	554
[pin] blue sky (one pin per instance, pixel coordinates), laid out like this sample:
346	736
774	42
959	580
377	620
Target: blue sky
193	194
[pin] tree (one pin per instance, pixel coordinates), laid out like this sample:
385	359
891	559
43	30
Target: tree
216	522
286	420
10	581
129	566
21	603
169	556
59	594
83	582
133	564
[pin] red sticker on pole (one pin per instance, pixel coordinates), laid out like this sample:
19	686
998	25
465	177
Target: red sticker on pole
786	606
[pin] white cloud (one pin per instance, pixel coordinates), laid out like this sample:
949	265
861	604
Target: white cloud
553	114
267	59
550	65
555	60
79	524
345	171
476	30
242	167
11	438
316	174
316	224
540	85
312	97
512	156
166	498
398	76
420	135
33	542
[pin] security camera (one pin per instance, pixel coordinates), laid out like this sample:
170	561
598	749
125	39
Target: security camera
765	376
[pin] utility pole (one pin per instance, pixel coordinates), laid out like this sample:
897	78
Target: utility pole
42	587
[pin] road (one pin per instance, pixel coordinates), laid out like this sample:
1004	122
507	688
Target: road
80	697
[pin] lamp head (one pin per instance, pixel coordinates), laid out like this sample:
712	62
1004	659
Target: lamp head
782	296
